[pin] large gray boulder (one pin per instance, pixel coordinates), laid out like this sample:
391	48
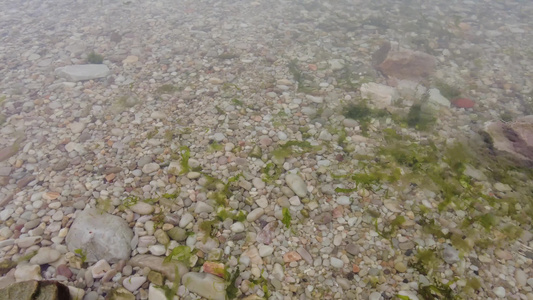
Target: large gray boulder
83	72
101	236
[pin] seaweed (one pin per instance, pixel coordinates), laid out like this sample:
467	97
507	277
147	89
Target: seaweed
286	220
94	58
231	288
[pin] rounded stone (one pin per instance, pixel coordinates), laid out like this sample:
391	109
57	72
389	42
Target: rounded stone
101	235
150	168
142	208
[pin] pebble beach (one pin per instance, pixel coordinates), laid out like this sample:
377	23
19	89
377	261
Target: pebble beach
267	149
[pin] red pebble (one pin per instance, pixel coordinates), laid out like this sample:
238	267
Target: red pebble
463	103
63	270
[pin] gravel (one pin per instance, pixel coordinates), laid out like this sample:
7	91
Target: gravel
221	130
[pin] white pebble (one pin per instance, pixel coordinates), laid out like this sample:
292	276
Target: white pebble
336	263
499	291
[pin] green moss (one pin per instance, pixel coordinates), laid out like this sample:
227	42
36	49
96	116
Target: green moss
184	163
437	291
225	213
151	134
231	278
419	119
447	90
286	220
209	227
364	114
168	135
167	89
425	260
94	58
271	172
82	253
180	253
237	102
228	55
215	147
291	147
130	201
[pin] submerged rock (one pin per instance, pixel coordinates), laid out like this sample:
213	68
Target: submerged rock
514	137
381	96
157	263
101	236
83	72
401	63
27	290
206	285
296	184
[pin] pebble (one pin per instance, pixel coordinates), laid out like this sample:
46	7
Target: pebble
499	291
374	296
450	255
185	220
237	227
133	283
177	234
27	272
206	285
202	207
336	263
521	277
265	250
99	269
400	267
45	255
296	184
157	250
63	270
255	214
142	208
150	168
343	200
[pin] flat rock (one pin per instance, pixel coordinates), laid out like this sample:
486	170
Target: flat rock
296	184
83	72
45	255
120	293
514	137
381	96
28	272
28	290
157	263
101	235
206	285
142	208
402	63
133	283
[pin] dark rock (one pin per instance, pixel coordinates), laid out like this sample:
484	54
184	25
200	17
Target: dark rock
24	181
35	290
